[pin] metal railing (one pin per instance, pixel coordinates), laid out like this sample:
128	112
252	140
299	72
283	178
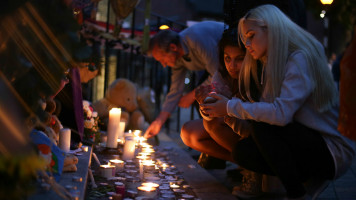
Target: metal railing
143	70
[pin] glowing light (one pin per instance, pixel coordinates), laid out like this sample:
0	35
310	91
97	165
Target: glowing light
328	2
163	27
322	14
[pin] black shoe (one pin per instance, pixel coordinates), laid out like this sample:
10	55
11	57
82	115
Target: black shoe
210	162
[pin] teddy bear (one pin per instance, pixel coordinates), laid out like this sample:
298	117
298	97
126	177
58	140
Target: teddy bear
124	94
51	127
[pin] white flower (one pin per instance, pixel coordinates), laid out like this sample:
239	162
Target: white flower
94	114
89	113
86	104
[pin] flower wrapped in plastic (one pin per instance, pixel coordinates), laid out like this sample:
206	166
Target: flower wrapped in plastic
91	124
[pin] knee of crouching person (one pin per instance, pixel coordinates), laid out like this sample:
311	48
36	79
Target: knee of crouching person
184	134
212	126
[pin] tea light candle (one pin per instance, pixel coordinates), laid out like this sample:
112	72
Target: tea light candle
137	132
107	171
187	196
119	165
132	166
148	165
168	196
113	126
64	139
141	157
129	149
131	172
149	192
148	150
132	183
164	187
174	186
178	191
141	140
120	141
153	179
85	148
120	188
150	184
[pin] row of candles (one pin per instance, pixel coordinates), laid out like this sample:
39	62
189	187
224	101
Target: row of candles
141	171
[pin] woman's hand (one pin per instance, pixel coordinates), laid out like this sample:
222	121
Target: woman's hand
222	89
202	92
217	109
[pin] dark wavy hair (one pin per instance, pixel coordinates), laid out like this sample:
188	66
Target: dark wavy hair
229	38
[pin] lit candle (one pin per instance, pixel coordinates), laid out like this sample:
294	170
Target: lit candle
85	148
129	149
150	184
164	166
141	157
145	191
137	133
121	130
120	141
174	186
119	165
113	126
64	139
107	171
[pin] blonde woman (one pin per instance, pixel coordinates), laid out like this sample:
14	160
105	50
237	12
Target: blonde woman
295	133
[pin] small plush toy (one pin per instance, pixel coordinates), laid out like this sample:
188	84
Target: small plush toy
122	93
53	125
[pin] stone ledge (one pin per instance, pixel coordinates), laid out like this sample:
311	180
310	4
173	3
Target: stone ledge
67	179
204	185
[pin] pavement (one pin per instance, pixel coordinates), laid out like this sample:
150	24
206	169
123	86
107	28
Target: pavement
343	188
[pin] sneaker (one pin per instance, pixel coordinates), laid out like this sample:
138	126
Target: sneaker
273	185
251	186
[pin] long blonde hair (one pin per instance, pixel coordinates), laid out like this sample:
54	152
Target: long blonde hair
285	37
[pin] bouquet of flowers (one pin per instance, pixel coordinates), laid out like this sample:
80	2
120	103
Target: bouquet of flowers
91	123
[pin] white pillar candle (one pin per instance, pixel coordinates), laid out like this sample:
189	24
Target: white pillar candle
113	125
64	139
129	149
121	130
119	165
107	171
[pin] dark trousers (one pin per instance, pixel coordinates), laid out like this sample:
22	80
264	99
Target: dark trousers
293	152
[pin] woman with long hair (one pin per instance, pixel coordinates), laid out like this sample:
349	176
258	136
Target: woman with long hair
295	134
